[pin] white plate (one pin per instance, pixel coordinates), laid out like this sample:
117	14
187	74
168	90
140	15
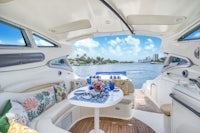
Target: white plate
87	96
78	92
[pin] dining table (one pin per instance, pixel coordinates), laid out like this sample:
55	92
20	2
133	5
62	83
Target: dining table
86	97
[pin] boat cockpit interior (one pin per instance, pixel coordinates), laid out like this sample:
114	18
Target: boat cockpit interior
40	92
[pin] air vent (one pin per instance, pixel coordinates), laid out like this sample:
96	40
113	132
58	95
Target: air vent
67	122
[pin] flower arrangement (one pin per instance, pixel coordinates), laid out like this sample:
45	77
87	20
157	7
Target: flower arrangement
98	86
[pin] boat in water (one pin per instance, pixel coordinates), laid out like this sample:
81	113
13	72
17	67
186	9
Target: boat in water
36	77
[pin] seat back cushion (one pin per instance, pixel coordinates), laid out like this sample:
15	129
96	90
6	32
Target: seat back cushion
77	84
122	84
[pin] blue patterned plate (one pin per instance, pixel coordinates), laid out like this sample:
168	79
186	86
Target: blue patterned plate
87	96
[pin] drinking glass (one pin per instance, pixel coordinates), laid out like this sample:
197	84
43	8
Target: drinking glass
112	85
106	91
89	81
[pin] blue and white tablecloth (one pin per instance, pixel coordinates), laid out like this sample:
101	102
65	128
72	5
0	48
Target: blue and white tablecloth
87	97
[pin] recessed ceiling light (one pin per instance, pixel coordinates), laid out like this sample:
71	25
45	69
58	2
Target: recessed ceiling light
107	21
181	19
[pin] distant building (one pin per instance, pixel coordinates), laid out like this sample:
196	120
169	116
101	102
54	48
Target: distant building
148	59
155	57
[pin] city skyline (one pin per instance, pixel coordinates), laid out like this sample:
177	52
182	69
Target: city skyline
155	57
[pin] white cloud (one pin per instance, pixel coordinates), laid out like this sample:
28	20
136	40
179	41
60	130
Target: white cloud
21	41
132	40
115	51
1	41
150	47
41	42
111	50
79	52
116	41
150	40
135	44
89	43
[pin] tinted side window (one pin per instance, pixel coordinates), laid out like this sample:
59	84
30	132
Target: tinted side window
178	60
192	35
61	62
11	35
173	61
41	42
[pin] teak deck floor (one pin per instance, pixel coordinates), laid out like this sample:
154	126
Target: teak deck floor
112	125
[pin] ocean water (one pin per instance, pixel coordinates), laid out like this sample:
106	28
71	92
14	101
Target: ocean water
137	72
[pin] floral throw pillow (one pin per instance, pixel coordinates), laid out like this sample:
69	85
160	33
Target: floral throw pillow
49	97
17	113
60	91
20	128
34	105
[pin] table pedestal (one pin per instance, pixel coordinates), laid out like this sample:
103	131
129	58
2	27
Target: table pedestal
96	122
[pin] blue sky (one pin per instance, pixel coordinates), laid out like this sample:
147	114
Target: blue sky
122	48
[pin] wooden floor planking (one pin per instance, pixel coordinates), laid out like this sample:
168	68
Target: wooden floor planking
112	125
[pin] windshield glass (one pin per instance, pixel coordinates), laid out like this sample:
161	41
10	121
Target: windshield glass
139	56
122	48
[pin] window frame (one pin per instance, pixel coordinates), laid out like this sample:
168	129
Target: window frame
23	35
44	38
182	38
66	62
168	61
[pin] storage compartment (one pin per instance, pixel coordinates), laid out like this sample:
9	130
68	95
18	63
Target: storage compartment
185	115
121	110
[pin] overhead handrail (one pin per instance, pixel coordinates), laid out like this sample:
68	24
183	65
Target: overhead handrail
184	104
117	14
